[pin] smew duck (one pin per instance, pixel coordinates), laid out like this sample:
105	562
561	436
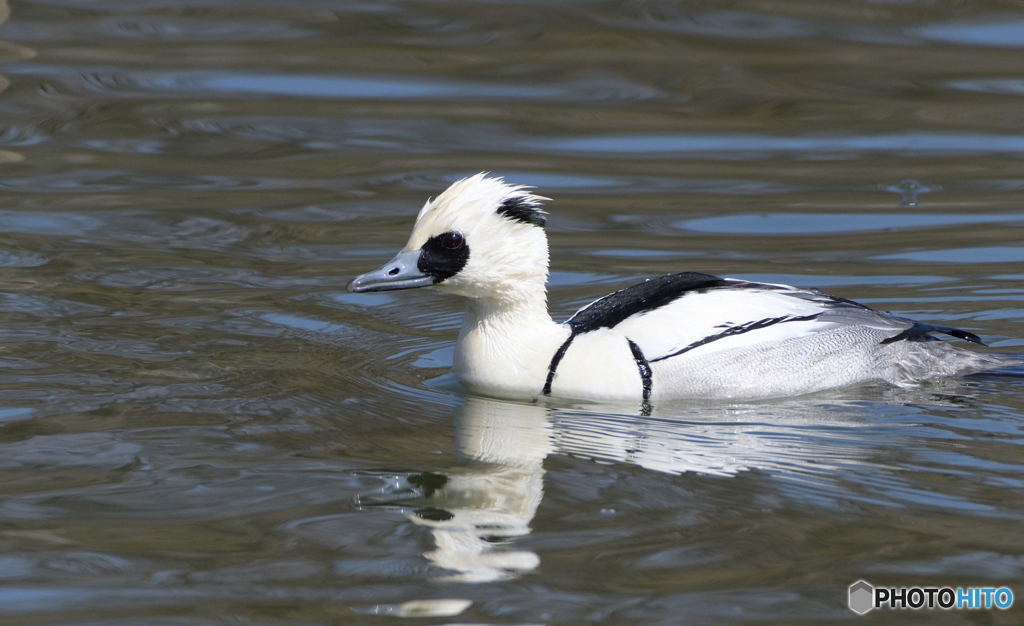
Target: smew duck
686	335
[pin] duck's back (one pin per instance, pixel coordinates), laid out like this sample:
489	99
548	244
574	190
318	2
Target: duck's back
697	335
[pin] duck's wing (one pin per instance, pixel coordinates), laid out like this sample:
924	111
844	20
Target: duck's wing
675	314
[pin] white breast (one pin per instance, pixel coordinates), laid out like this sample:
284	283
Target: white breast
598	366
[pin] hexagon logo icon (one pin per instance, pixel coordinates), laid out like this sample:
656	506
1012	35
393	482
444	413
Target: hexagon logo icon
861	599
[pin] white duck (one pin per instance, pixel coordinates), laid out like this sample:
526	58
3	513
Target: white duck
685	335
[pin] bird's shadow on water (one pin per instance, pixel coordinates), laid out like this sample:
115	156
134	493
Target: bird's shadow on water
823	450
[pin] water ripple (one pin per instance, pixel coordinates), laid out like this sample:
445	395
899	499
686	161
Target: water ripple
801	147
123	82
1002	32
820	223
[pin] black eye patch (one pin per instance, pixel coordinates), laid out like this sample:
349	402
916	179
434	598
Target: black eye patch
443	256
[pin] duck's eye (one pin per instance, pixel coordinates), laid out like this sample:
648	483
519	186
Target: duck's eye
451	240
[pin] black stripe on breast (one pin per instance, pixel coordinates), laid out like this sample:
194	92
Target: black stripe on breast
643	367
555	360
739	330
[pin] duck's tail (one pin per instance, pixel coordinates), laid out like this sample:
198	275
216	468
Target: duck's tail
921	361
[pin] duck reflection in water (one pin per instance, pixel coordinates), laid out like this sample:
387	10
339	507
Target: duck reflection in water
476	510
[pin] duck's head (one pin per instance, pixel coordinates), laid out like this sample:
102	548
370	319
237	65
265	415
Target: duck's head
481	238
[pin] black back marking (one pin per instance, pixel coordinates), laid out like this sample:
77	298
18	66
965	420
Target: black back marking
919	332
523	209
651	294
443	256
643	366
739	330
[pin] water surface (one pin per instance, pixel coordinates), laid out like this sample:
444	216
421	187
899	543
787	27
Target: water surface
199	425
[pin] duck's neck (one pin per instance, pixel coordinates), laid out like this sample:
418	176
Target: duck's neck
506	345
526	309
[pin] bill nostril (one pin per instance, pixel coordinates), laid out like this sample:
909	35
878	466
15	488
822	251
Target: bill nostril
393	271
